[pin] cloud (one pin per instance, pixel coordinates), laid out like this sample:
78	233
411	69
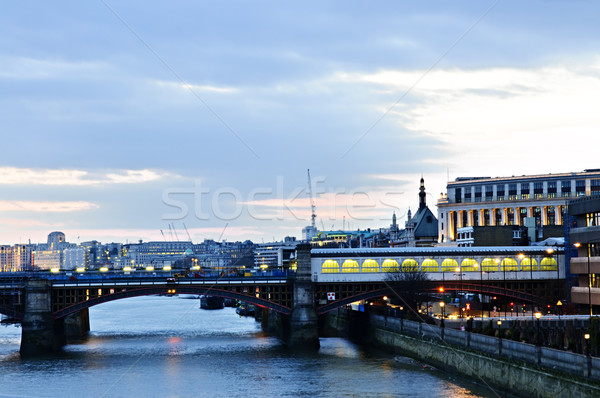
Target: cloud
46	206
482	117
73	177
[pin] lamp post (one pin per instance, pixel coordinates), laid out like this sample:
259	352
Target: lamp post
551	252
480	287
538	315
578	245
587	344
459	271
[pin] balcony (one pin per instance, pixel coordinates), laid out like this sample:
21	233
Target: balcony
582	295
579	265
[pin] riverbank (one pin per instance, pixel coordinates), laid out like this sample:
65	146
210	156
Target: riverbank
426	344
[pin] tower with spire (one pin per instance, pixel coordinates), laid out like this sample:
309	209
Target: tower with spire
421	229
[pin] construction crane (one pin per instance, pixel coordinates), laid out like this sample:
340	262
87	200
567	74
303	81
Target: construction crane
187	232
313	215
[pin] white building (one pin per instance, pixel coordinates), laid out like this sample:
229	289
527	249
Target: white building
501	201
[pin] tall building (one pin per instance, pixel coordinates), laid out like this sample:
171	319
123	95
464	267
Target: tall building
536	202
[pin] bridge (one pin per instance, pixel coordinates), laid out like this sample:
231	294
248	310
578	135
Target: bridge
51	307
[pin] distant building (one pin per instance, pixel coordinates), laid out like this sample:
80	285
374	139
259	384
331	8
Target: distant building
537	202
275	255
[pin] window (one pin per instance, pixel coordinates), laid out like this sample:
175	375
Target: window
528	263
350	266
595	185
500	192
565	187
390	265
489	192
580	187
548	264
429	265
370	265
410	265
592	219
489	264
509	264
457	195
469	264
467	194
330	267
449	264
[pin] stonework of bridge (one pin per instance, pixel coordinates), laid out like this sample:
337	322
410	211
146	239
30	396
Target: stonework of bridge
52	310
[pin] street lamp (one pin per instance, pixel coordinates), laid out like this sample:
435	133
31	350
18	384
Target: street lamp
458	270
587	343
551	251
538	315
480	286
522	257
578	245
442	304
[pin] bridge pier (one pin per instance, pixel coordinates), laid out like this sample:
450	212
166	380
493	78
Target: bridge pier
303	333
40	332
77	326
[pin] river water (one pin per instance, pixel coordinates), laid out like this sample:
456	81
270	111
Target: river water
168	347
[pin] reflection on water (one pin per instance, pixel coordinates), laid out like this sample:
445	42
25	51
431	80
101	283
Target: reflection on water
168	347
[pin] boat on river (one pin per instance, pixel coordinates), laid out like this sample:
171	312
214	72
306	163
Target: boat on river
211	302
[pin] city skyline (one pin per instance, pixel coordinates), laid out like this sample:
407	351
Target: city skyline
120	119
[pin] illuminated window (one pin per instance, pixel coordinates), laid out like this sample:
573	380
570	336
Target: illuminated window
489	264
449	264
370	265
509	264
469	264
330	267
410	265
350	266
548	264
528	264
390	265
430	265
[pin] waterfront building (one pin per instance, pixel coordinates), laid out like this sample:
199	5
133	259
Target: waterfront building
537	203
585	236
147	254
275	255
47	259
73	258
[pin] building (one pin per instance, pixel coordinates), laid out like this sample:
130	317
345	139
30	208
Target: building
585	236
146	254
536	202
420	230
275	255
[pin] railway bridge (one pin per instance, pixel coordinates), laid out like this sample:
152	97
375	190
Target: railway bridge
52	307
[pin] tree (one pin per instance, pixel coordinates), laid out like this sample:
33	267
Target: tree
409	287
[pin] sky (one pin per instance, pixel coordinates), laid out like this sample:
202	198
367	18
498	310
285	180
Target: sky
148	120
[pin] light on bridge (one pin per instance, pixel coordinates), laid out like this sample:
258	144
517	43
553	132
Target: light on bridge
103	269
54	270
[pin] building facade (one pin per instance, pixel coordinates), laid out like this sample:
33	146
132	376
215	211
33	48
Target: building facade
537	202
585	236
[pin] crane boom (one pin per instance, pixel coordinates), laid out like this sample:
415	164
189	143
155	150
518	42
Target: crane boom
187	232
313	215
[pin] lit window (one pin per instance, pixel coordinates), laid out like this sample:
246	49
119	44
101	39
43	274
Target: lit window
390	265
449	264
330	267
370	265
410	265
430	265
350	266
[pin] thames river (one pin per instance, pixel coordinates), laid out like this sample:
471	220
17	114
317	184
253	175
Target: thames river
168	347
